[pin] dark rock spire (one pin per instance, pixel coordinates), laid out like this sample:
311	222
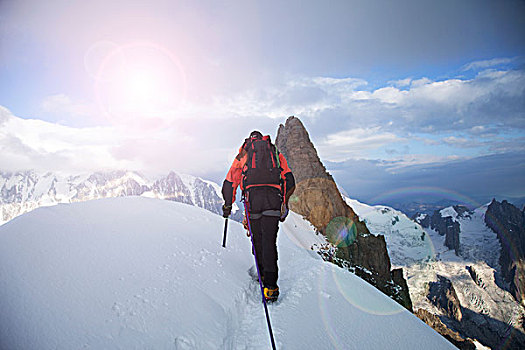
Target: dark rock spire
318	199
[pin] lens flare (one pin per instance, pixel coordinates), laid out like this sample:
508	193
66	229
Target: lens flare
139	85
326	315
342	231
95	56
356	292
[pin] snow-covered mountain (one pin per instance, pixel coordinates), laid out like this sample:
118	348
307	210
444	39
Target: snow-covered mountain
487	312
142	273
24	191
460	249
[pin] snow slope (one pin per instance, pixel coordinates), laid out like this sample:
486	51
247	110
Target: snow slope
142	273
406	240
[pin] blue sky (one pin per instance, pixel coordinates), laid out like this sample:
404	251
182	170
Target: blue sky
160	85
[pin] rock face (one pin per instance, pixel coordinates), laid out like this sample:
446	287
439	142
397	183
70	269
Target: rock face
468	323
508	222
487	313
317	198
448	227
443	296
452	236
445	222
422	219
476	325
475	277
454	337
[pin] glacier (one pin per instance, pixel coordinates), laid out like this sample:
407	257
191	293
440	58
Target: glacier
422	254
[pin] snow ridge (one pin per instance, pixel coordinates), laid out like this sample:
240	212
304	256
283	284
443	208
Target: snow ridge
137	273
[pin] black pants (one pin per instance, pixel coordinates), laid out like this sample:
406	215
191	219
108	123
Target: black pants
264	230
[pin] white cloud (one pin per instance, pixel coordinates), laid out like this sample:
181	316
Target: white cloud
35	144
484	64
401	83
403	162
342	84
487	105
63	105
389	95
344	118
421	82
491	98
361	138
4	115
189	146
478	129
457	141
354	143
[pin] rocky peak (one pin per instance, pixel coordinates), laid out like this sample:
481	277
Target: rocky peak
294	143
422	219
462	211
316	195
445	222
508	222
454	337
318	199
443	295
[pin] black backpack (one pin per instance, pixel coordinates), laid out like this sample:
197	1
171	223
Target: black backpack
262	164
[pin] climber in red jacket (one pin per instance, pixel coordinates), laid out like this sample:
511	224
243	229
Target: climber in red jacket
267	183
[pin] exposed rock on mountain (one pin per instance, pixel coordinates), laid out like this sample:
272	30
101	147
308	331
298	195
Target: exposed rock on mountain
452	235
445	222
317	199
404	295
489	314
443	295
454	337
475	277
509	224
172	188
422	219
475	325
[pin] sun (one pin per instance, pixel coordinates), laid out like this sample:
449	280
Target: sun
142	87
139	84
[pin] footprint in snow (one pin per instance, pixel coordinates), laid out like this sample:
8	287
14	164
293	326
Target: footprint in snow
183	343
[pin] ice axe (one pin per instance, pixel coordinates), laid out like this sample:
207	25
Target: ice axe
225	230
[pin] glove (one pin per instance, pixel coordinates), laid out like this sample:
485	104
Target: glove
284	212
246	227
226	210
245	224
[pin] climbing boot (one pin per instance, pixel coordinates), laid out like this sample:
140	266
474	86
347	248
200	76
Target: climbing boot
271	293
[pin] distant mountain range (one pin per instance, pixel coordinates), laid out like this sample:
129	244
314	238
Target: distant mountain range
409	206
21	192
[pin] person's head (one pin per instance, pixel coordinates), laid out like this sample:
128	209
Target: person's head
256	135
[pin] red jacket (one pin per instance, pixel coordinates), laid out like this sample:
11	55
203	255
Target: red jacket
235	174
